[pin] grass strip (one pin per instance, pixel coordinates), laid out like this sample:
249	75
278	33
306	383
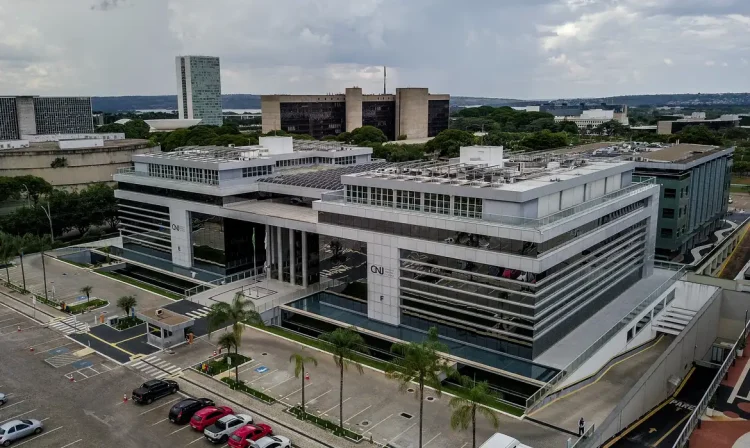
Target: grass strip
325	424
91	304
146	286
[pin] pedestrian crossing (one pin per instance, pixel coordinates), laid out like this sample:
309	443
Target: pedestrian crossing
154	367
69	325
197	314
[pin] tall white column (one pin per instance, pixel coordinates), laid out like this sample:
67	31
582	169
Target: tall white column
268	251
280	253
304	258
292	267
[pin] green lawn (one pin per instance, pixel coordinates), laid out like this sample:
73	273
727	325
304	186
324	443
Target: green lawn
738	189
740	180
382	365
146	286
217	366
91	304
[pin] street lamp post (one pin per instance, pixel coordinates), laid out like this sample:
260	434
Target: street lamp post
28	194
44	274
49	217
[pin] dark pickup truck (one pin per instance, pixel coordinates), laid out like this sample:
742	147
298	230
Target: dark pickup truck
153	390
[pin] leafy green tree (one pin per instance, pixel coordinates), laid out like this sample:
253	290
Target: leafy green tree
127	303
698	134
449	142
87	290
175	139
36	186
230	139
465	409
545	140
136	128
299	371
228	341
302	137
7	252
367	134
111	128
345	344
611	128
419	363
9	188
344	137
236	314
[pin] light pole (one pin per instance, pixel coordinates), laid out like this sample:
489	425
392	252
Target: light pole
44	274
23	274
49	217
28	194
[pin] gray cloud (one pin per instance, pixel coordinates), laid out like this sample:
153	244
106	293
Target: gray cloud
503	48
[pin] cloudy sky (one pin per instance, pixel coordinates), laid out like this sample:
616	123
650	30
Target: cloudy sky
526	49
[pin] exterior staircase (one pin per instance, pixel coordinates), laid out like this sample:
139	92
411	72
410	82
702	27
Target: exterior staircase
673	320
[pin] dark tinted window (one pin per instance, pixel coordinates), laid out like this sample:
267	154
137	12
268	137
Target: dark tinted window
236	438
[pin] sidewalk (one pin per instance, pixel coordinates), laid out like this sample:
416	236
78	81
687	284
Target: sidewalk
23	304
195	384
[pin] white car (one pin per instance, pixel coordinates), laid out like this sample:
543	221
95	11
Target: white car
272	442
18	429
220	431
3	399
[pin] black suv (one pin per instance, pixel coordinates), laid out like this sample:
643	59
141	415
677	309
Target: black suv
183	411
154	389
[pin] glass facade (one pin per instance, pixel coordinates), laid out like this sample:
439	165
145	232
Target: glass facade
145	228
342	259
201	89
495	244
438	113
169	193
317	119
63	115
8	119
225	245
382	115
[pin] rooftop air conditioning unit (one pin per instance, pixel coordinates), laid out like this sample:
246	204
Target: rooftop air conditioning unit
159	312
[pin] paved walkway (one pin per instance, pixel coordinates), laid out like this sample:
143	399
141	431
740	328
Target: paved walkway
595	401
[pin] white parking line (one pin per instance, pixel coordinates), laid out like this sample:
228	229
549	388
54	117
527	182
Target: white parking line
337	405
41	352
403	432
27	412
11	405
428	442
464	445
310	401
10	318
178	430
71	443
42	343
378	423
40	435
250	367
287	396
363	410
199	438
263	375
11	325
162	420
280	383
160	406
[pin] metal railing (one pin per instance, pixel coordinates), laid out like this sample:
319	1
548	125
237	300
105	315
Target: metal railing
586	435
538	397
339	197
291	297
249	274
700	408
130	171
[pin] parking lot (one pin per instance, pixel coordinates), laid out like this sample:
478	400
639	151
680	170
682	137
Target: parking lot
372	404
78	394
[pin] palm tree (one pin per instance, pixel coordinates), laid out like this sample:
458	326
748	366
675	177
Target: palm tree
236	313
228	341
420	363
126	303
465	409
346	342
7	252
87	290
299	370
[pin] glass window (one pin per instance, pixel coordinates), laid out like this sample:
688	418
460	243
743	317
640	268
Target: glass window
668	213
670	193
666	233
467	207
437	203
382	197
408	200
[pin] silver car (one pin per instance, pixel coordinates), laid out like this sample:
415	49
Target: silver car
272	442
3	399
18	429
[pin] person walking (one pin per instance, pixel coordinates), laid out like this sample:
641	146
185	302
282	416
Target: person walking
581	427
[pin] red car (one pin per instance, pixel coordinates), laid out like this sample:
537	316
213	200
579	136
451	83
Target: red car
249	433
208	416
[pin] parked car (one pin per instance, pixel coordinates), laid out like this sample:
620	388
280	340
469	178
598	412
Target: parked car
248	434
272	442
220	431
208	416
3	399
18	429
153	390
184	410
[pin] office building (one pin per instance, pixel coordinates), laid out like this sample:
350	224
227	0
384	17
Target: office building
24	116
591	118
695	182
199	88
698	119
413	112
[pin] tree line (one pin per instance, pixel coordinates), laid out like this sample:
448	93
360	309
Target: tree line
94	206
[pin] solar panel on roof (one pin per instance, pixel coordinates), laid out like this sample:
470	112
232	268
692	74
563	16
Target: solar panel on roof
324	180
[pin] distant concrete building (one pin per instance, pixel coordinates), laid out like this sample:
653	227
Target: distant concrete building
199	88
413	112
85	161
698	119
22	116
591	118
694	194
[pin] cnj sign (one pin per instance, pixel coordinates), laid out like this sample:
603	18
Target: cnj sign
178	228
380	270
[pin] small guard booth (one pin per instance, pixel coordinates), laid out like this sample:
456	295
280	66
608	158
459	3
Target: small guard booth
165	329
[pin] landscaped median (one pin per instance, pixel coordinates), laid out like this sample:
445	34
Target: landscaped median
88	305
325	424
218	366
